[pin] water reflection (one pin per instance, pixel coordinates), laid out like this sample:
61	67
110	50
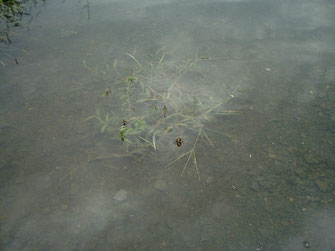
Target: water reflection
267	183
12	13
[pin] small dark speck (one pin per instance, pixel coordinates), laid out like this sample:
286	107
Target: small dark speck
16	61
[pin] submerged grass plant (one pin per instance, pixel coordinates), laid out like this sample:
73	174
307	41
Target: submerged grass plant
155	106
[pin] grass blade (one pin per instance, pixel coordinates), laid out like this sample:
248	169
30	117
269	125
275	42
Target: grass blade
161	60
196	165
103	128
114	67
188	159
134	59
95	117
211	109
90	117
87	67
179	157
146	140
227	112
223	134
205	134
171	86
154	141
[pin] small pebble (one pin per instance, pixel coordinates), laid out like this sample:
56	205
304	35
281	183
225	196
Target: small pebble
307	244
120	195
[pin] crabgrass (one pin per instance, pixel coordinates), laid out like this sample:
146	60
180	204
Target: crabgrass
155	106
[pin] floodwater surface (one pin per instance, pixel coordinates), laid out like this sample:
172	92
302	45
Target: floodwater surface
169	125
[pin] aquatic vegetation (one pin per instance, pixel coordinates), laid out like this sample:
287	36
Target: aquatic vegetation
155	107
105	122
11	14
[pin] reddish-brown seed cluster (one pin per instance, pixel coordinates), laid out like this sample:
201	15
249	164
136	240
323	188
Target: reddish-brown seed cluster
178	141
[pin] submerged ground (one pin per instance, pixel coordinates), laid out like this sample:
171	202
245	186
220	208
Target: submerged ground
267	185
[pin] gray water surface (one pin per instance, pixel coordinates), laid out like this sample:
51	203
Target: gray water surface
268	184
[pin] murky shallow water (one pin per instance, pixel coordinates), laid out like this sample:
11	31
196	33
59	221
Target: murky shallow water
269	185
